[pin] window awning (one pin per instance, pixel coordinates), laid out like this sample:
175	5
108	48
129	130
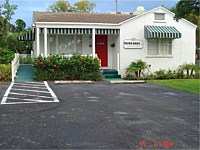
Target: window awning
161	32
28	36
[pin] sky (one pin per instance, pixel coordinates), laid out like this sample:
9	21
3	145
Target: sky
26	7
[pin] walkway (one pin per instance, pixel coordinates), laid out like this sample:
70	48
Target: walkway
25	73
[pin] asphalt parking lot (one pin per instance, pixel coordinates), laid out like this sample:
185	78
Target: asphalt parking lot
103	116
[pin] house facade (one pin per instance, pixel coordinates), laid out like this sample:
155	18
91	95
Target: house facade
153	36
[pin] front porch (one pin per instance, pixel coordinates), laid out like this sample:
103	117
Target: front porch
103	43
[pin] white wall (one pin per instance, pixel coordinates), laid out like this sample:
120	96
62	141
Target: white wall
183	49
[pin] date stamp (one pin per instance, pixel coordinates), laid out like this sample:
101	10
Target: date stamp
156	144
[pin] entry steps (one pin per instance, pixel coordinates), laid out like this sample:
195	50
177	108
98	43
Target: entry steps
110	74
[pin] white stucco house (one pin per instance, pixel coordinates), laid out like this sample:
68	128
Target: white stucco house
117	39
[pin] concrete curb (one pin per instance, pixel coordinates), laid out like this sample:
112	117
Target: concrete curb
126	81
74	82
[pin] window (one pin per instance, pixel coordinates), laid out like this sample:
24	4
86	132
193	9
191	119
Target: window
159	16
66	44
69	44
159	47
79	44
52	41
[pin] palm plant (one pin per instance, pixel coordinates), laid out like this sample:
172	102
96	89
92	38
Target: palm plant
137	67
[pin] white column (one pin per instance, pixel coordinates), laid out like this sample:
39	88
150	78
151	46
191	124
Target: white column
56	44
93	42
45	42
37	42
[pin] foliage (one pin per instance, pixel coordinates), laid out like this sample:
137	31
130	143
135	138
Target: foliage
64	6
59	6
25	60
189	68
137	67
84	6
20	25
188	9
6	56
5	72
183	72
191	85
57	67
8	10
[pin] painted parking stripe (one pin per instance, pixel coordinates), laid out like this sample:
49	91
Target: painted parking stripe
30	90
27	99
15	95
29	95
29	87
6	94
39	85
51	91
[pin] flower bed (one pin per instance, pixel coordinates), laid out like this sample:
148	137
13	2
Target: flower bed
57	67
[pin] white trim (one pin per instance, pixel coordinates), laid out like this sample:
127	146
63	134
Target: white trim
45	42
93	42
37	41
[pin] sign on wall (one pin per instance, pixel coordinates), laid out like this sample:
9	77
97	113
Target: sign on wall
133	44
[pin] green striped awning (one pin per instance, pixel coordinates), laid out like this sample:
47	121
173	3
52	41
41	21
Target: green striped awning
28	36
80	31
69	31
161	32
108	31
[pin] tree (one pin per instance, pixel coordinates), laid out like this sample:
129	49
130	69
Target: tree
20	25
8	10
84	6
59	6
188	9
64	6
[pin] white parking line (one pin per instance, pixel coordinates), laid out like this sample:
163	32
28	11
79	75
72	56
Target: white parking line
30	87
10	95
29	84
6	94
52	93
30	90
29	95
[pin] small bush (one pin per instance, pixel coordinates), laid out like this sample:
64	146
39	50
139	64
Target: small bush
5	72
25	60
57	67
6	56
136	67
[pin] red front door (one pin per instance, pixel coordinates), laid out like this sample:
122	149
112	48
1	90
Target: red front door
102	49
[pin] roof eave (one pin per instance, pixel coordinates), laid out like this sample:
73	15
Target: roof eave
75	23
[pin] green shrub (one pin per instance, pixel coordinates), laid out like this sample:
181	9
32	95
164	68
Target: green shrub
57	67
5	72
6	56
137	67
25	60
190	69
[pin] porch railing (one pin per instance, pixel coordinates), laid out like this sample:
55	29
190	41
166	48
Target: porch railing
15	65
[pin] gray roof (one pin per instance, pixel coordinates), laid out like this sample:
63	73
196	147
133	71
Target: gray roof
80	17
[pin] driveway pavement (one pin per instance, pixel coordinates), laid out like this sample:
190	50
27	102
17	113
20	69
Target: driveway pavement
103	116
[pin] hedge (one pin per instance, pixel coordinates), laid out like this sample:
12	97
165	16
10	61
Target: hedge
5	72
58	67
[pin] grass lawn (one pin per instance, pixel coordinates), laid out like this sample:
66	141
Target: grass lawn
191	85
